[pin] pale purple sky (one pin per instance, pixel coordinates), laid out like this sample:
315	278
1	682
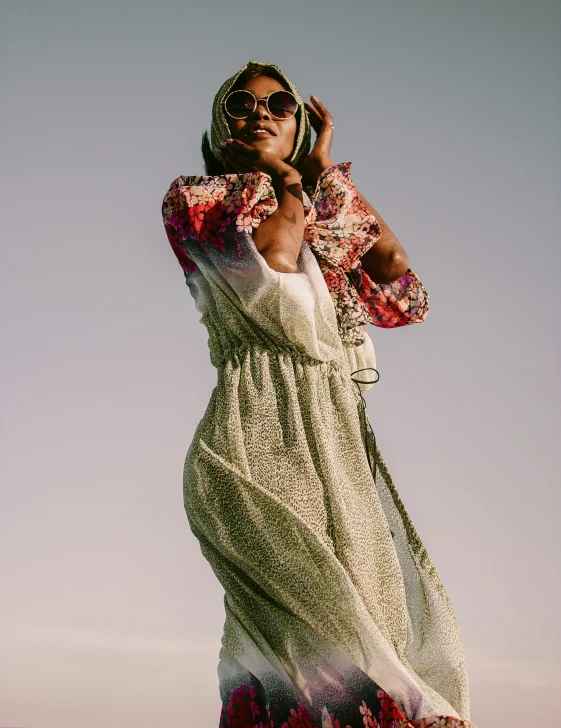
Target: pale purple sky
451	114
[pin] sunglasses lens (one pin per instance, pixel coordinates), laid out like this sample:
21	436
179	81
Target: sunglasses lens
240	104
282	104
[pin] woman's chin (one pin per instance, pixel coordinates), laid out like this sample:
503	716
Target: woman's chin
265	144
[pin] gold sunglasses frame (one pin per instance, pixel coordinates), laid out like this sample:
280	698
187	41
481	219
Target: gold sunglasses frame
256	102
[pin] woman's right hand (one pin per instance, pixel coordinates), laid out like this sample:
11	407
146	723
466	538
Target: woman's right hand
244	158
279	237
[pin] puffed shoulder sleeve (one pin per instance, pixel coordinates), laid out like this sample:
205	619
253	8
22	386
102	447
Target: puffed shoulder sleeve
340	230
209	222
198	210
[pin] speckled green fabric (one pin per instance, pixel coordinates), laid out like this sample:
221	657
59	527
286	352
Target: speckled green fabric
333	607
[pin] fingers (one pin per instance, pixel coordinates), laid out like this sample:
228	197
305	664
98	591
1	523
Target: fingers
320	118
321	109
318	103
231	162
237	144
238	156
321	121
315	117
240	149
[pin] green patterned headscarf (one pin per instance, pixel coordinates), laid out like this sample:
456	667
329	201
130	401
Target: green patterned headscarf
220	130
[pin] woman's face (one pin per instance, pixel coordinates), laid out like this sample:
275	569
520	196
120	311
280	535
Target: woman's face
281	133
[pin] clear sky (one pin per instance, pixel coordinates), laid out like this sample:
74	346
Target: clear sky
450	112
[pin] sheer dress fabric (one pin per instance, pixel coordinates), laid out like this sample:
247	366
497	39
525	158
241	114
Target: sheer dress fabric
335	616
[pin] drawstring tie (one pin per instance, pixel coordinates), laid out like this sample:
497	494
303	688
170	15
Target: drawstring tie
364	423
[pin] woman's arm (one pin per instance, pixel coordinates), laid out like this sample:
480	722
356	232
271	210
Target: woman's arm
279	237
343	227
386	261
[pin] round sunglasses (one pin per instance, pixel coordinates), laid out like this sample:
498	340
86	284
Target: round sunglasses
241	104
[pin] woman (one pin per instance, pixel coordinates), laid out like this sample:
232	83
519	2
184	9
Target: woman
335	615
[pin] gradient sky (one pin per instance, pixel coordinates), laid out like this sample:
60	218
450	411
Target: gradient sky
451	114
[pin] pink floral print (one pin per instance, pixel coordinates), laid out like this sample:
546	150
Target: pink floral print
245	710
339	230
201	208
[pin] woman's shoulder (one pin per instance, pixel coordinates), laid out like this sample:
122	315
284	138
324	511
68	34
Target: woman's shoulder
240	191
224	181
250	196
204	206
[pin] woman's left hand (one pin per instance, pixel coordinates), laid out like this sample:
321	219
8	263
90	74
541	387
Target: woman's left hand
318	159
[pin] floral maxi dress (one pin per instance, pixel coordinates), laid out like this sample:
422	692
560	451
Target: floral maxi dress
335	615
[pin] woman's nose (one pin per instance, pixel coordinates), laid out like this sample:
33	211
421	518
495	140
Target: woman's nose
261	109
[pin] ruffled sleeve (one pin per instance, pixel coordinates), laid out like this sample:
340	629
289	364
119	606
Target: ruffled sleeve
339	231
209	222
197	210
399	303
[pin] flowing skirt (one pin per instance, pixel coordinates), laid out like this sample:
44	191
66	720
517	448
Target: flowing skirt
335	615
